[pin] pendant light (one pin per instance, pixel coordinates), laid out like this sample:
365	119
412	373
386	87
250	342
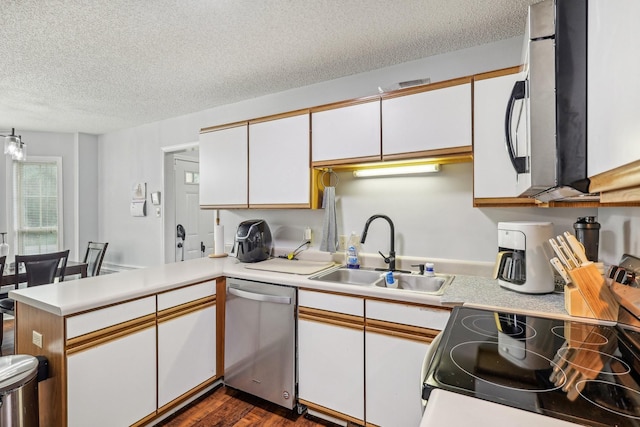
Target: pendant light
14	146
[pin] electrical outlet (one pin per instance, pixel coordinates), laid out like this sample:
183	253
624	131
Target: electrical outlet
37	339
342	242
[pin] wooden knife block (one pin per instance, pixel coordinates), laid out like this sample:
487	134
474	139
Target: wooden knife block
589	296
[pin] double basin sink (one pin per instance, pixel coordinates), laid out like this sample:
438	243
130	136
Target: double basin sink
432	285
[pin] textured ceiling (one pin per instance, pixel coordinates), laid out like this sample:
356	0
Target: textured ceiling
96	66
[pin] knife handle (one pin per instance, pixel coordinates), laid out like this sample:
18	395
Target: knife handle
577	248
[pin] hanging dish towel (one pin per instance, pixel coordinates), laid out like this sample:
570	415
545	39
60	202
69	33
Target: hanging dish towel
329	226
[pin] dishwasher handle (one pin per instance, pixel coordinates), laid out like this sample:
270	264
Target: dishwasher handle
277	299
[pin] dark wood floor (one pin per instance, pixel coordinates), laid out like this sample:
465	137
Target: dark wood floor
225	407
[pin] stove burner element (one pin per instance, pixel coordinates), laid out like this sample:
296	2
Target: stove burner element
585	359
504	371
489	326
576	331
615	398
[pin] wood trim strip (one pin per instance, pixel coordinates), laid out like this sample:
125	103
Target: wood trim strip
498	73
280	206
221	298
427	88
279	116
624	176
145	420
623	195
183	309
321	291
332	318
111	333
224	206
505	201
346	103
330	412
414	304
224	126
414	333
453	155
351	161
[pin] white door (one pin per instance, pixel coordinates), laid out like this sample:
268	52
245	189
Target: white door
198	223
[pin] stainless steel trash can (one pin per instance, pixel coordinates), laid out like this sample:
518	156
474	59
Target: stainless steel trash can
18	391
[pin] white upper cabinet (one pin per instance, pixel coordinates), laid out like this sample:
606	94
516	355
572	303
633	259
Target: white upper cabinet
433	117
493	174
346	132
279	168
224	167
613	85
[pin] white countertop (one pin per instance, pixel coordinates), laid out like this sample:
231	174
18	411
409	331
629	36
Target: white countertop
79	295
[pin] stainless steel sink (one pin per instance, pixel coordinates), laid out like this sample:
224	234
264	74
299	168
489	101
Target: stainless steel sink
414	282
365	277
350	276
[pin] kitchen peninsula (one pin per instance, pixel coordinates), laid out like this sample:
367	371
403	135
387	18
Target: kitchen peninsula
113	329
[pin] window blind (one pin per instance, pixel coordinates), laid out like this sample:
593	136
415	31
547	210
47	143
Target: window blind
36	206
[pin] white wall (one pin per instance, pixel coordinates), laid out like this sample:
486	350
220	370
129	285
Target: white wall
86	202
433	216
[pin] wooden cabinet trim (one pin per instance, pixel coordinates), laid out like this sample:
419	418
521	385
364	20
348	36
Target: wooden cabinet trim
183	309
449	155
330	412
280	206
331	318
498	73
350	161
224	126
279	116
398	330
414	304
94	339
346	103
621	177
427	88
241	206
210	383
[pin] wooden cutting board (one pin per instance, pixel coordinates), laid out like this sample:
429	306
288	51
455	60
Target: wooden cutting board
281	265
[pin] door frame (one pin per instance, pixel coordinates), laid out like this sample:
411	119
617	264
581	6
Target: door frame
168	199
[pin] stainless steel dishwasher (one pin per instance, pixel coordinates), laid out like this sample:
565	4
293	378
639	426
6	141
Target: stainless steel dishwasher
260	340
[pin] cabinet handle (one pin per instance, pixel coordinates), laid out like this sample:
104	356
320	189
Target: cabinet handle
518	92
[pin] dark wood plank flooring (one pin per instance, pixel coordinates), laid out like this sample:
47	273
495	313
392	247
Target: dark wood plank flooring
225	407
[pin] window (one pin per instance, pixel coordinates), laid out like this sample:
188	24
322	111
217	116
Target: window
37	195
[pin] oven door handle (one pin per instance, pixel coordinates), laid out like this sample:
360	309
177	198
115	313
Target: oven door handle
518	92
277	299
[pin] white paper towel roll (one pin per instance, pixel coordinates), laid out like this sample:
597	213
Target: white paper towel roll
218	239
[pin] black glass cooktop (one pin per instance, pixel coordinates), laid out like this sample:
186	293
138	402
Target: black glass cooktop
579	372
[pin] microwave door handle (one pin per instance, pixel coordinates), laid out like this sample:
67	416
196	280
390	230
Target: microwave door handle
517	93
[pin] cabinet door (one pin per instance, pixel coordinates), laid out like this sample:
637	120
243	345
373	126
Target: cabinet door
349	132
224	170
279	169
331	367
186	353
493	174
613	109
113	384
394	387
424	121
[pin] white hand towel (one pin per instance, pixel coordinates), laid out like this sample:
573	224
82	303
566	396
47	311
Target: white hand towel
329	226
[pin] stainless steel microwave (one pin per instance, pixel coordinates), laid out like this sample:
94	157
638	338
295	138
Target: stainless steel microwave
546	115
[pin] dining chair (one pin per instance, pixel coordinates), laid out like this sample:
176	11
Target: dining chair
94	256
40	269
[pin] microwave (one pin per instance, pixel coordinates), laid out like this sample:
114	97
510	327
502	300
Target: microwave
546	114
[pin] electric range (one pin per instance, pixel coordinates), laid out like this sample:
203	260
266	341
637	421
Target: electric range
579	372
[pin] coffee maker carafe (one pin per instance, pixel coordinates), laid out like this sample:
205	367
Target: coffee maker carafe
522	264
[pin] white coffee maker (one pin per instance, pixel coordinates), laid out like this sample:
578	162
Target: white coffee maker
523	264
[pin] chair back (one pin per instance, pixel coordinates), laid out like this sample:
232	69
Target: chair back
3	259
94	257
42	269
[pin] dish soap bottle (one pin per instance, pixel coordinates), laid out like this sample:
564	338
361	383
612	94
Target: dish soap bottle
352	251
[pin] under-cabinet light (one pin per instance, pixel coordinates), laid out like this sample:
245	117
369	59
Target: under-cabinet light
399	170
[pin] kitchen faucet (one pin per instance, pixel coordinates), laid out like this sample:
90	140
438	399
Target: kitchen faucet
391	259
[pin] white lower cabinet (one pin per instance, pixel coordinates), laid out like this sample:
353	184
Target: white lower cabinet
114	383
331	355
394	387
186	353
